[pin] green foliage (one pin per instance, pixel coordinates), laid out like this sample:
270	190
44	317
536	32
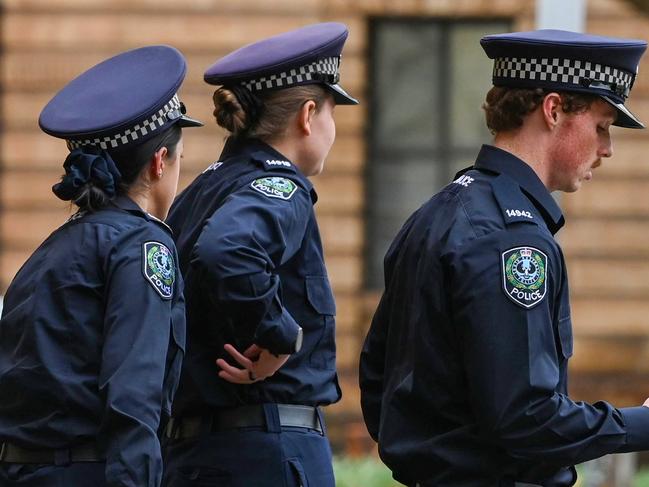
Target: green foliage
362	472
369	471
642	478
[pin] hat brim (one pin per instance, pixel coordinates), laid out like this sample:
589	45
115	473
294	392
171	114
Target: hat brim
341	97
625	118
185	121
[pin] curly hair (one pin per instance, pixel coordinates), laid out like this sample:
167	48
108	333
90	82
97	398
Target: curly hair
506	108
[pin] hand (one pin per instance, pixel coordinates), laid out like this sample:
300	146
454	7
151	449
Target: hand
646	403
258	364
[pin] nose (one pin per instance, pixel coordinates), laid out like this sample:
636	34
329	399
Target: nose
606	150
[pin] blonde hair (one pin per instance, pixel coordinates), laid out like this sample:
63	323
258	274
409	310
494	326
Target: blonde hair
264	115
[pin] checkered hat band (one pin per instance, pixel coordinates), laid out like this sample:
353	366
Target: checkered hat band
130	135
583	74
302	74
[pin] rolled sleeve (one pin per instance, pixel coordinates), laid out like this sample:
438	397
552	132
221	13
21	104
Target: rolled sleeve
238	253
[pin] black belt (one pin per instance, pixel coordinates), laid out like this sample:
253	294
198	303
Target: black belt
10	453
290	415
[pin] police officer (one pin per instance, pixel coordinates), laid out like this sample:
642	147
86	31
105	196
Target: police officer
93	327
259	302
463	373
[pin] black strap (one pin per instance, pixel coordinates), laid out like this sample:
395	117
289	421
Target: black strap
10	453
250	416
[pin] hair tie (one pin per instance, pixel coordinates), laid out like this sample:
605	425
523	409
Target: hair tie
250	103
84	165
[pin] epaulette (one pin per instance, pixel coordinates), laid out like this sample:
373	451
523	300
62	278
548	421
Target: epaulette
514	205
270	164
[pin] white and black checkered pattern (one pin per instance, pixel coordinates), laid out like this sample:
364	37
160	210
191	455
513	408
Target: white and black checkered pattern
131	134
308	72
566	71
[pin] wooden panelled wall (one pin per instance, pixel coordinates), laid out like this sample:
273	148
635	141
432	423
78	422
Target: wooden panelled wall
47	42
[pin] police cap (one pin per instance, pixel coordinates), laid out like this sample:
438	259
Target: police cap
303	56
121	101
568	61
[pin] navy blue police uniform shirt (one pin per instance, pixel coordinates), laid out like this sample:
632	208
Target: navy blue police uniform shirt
251	255
463	373
85	323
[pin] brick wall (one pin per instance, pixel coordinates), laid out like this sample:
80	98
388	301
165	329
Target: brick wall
47	42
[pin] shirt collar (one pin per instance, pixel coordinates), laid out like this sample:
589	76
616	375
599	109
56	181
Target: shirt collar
123	202
248	147
499	161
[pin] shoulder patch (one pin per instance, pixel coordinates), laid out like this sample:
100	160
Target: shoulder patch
525	272
159	268
275	187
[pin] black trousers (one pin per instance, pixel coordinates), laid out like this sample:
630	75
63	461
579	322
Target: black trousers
270	456
83	474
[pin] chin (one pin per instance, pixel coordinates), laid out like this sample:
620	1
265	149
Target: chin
317	170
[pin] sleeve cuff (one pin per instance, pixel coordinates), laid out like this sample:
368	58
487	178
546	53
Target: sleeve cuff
279	336
636	422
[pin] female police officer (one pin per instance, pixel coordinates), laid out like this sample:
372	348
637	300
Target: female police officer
250	251
92	332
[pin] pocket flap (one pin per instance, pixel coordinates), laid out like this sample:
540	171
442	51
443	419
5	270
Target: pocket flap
318	292
565	336
178	333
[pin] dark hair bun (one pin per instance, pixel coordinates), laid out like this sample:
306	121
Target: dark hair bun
228	111
91	178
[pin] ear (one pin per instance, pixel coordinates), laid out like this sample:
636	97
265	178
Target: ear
305	117
157	164
552	109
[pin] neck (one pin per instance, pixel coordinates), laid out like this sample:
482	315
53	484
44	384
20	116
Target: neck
290	148
531	147
144	200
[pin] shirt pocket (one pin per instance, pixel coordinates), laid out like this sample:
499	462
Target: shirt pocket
323	329
565	336
175	355
319	295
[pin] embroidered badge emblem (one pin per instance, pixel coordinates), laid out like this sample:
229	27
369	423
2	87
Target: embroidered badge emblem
159	268
525	275
275	187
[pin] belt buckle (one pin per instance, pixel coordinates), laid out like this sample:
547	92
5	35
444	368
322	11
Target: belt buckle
3	450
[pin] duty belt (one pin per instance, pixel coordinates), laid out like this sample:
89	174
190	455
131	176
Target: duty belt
10	453
250	416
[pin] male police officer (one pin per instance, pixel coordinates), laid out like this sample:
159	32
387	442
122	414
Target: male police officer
463	373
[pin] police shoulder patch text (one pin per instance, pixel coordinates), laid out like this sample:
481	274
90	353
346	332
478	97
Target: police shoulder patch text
275	187
159	268
525	275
